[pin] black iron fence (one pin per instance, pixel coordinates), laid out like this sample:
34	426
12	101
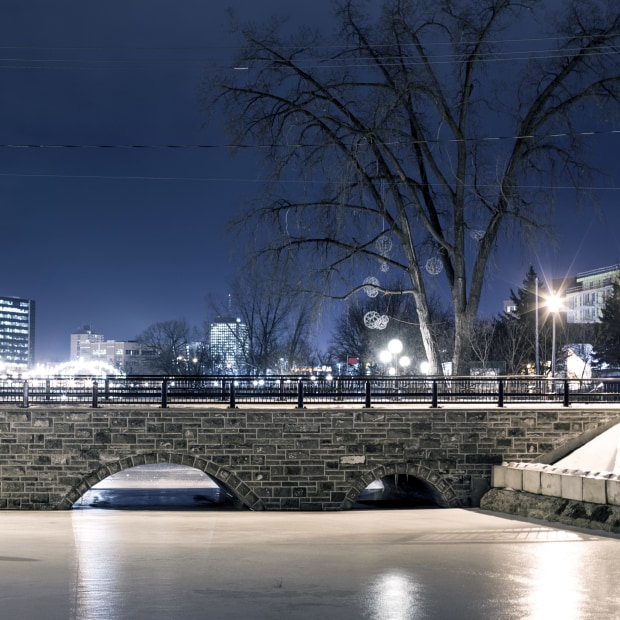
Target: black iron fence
302	390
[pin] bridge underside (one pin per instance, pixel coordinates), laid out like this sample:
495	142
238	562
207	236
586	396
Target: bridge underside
400	484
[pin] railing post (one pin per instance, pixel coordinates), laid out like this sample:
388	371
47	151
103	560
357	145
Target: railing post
500	393
95	395
434	394
48	395
281	397
300	394
223	388
565	402
367	404
339	388
25	401
232	403
106	390
164	393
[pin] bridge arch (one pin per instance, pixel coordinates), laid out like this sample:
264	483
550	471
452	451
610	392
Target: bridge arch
222	476
438	486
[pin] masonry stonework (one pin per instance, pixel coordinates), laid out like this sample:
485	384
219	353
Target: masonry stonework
317	458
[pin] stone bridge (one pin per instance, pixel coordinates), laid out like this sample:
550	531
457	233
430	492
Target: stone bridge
273	458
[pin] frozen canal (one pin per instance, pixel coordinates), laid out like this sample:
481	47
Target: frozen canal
383	565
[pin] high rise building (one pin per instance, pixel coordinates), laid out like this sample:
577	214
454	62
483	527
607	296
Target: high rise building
17	332
228	342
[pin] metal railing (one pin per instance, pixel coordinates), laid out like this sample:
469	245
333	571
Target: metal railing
302	390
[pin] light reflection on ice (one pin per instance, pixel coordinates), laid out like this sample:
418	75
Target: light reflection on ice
394	596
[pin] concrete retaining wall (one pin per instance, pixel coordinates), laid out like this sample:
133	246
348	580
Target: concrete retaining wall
570	484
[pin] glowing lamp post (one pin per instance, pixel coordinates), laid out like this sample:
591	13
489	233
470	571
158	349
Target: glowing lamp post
395	346
553	304
385	357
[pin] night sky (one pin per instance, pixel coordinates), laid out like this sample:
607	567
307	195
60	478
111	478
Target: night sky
122	238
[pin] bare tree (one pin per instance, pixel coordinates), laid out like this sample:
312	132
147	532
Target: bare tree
177	347
422	134
276	320
351	336
481	339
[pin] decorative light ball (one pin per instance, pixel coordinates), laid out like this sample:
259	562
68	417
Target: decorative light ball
385	357
434	266
371	318
383	321
395	346
370	286
383	244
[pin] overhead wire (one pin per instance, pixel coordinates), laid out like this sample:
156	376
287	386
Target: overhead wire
320	61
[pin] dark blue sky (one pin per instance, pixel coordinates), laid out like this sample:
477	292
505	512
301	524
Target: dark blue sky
120	239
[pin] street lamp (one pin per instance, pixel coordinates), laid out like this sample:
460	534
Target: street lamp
385	357
390	355
553	305
395	346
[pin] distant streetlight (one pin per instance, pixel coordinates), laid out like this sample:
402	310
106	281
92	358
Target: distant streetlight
385	357
553	305
394	347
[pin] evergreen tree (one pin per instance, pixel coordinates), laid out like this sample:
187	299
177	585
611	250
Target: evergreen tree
525	302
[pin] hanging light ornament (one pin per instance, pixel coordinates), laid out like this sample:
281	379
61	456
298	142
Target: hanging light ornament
434	266
371	318
383	245
374	320
371	286
383	321
476	234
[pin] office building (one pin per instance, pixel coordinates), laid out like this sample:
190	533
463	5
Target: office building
586	299
126	356
16	333
228	343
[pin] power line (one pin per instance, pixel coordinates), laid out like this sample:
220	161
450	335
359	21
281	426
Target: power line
263	181
319	61
579	134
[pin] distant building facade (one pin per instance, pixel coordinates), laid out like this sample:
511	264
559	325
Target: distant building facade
82	342
17	333
127	356
586	299
228	343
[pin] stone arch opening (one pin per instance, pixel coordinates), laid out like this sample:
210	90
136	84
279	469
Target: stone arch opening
403	485
223	477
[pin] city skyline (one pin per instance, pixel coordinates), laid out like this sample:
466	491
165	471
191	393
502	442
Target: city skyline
121	238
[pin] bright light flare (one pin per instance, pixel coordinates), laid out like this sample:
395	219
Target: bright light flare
554	303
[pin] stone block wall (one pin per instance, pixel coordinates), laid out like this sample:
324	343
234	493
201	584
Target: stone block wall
277	458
